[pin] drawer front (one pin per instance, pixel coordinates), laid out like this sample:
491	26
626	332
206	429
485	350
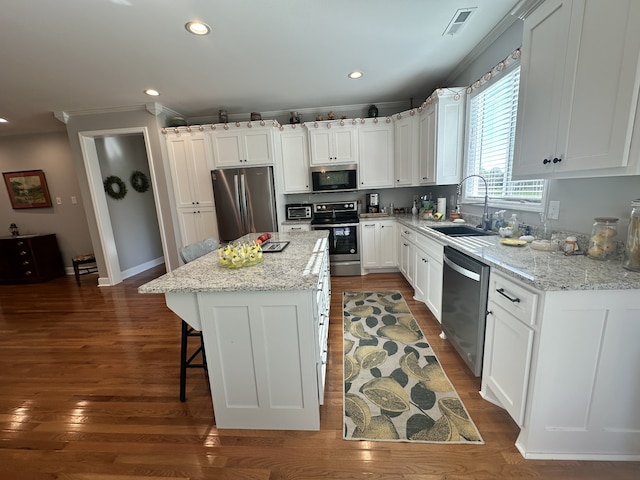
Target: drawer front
432	247
514	298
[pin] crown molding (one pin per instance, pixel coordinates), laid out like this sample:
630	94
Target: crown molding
153	108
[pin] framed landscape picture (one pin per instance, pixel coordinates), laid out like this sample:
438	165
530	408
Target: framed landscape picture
27	189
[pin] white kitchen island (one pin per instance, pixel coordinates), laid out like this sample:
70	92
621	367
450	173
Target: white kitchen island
265	331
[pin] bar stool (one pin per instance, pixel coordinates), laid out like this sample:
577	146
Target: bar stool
83	264
188	254
186	360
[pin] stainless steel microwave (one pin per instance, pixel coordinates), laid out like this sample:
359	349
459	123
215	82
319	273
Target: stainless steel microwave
298	211
334	178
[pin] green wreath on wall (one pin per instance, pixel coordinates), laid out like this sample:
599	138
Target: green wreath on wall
120	189
139	181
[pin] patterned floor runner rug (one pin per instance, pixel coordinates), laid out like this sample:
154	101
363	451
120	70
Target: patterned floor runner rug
394	386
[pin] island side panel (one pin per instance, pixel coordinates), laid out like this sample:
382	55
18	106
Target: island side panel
261	353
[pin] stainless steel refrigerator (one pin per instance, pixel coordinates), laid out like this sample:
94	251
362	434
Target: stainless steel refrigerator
245	201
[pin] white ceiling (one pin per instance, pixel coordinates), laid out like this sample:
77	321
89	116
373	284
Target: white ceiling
263	55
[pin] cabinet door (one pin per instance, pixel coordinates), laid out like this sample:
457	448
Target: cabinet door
258	146
370	244
449	140
179	150
427	147
433	293
421	278
403	255
320	146
406	149
376	155
295	161
345	144
507	357
388	249
227	148
200	172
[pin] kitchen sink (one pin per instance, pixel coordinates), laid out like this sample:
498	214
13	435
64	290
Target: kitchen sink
462	231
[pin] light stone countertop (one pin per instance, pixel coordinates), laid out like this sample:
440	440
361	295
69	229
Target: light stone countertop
297	267
547	271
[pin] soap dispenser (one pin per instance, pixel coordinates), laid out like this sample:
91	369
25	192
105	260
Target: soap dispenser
514	225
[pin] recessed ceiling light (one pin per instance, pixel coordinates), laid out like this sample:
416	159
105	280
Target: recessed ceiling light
152	92
3	120
198	28
355	74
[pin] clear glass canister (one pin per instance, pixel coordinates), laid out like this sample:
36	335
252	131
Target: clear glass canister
632	249
603	244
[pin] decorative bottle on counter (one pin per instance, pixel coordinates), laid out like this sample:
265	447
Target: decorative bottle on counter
632	249
603	245
414	209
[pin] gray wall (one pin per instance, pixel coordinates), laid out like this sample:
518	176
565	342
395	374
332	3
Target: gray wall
580	199
49	152
118	120
133	218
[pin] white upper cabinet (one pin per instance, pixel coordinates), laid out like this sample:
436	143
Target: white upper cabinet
406	148
333	142
191	163
441	134
375	149
294	151
578	89
243	144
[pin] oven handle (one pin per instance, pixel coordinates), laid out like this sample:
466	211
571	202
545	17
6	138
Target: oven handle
331	225
461	270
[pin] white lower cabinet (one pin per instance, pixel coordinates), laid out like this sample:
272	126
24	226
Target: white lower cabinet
196	224
564	365
420	261
508	345
378	244
407	253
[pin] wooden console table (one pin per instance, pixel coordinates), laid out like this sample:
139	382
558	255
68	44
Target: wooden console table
30	258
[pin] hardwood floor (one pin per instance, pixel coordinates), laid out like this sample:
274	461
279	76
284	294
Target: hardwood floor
89	391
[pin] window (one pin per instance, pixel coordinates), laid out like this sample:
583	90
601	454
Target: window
491	125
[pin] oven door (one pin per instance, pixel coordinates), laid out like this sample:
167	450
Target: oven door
343	241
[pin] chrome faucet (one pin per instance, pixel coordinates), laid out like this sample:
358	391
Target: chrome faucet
486	221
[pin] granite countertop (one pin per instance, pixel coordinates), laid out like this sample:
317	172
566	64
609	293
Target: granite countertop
547	271
297	267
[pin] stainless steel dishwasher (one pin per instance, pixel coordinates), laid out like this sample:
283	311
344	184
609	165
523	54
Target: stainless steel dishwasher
465	283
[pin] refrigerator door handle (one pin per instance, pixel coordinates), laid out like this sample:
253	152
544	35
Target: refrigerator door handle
236	198
244	206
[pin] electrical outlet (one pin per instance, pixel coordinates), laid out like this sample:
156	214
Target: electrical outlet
554	210
74	200
58	200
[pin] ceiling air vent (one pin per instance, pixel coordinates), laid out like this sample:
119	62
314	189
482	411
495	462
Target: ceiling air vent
458	21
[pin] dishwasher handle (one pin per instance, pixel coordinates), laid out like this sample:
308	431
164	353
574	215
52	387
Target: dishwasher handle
461	270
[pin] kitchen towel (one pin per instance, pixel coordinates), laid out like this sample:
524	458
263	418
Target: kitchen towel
442	206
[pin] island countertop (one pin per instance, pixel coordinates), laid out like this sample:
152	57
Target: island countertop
297	267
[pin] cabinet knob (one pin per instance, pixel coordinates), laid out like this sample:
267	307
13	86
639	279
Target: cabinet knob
557	160
545	161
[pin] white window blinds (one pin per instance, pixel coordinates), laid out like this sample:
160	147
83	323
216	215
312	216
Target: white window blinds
491	135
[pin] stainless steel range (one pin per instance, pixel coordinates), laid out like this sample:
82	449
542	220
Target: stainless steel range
341	220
